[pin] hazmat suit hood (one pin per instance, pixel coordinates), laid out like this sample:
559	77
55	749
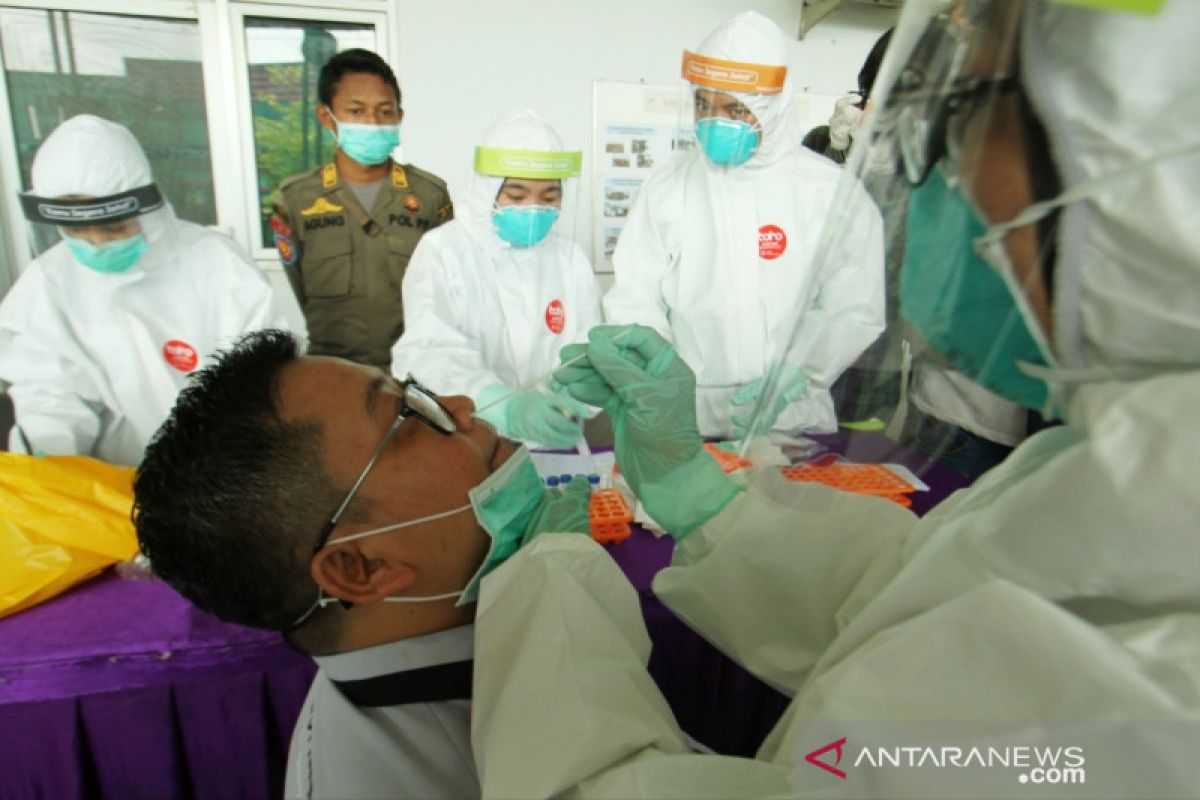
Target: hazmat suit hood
519	130
751	38
90	156
1113	88
1114	175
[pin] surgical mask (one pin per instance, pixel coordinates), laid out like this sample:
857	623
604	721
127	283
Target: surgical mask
366	144
523	226
960	303
504	505
110	257
727	142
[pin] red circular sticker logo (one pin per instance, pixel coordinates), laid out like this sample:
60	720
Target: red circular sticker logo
556	316
772	241
180	355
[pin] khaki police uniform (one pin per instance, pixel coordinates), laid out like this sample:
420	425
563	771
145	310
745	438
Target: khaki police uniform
346	265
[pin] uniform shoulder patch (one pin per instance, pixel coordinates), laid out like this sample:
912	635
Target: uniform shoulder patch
399	177
285	247
329	176
291	180
422	175
285	239
322	205
446	212
280	223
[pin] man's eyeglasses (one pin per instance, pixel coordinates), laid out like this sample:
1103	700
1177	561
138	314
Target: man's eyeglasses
418	402
931	101
929	122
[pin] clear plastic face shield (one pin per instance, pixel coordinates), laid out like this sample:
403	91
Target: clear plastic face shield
530	217
733	227
722	104
951	149
533	209
103	232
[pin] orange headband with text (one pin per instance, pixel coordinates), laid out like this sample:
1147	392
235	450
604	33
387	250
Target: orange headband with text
732	76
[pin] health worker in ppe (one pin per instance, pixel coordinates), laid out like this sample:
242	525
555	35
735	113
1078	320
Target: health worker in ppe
1049	611
102	330
718	248
944	415
491	297
360	522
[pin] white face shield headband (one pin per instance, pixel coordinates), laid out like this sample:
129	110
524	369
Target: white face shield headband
93	210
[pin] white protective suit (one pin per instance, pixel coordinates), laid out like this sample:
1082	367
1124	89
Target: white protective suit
95	360
688	261
478	311
1055	603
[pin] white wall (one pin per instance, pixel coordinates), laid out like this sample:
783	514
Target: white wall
464	63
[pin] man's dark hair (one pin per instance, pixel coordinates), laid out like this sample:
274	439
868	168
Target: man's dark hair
817	140
229	499
352	62
870	67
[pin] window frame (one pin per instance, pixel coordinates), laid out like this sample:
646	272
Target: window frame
225	69
241	66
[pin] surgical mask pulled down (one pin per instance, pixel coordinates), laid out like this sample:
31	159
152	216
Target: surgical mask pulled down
110	257
504	505
366	144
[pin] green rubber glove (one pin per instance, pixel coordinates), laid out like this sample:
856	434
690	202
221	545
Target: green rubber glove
791	384
650	396
553	420
564	511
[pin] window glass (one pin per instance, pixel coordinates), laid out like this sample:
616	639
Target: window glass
285	58
142	72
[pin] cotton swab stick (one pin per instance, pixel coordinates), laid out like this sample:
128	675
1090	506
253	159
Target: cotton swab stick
534	384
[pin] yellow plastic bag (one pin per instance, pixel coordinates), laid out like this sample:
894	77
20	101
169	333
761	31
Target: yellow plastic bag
62	520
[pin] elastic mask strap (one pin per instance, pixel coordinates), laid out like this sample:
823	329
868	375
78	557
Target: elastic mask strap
1081	191
994	236
1057	378
328	600
429	598
303	618
1087	374
399	525
324	600
337	125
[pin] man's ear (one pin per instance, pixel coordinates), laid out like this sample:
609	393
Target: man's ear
325	117
348	573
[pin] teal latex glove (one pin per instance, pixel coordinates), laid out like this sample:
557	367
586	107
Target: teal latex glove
564	511
554	419
650	396
792	383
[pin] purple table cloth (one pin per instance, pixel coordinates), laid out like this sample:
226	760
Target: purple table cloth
123	689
